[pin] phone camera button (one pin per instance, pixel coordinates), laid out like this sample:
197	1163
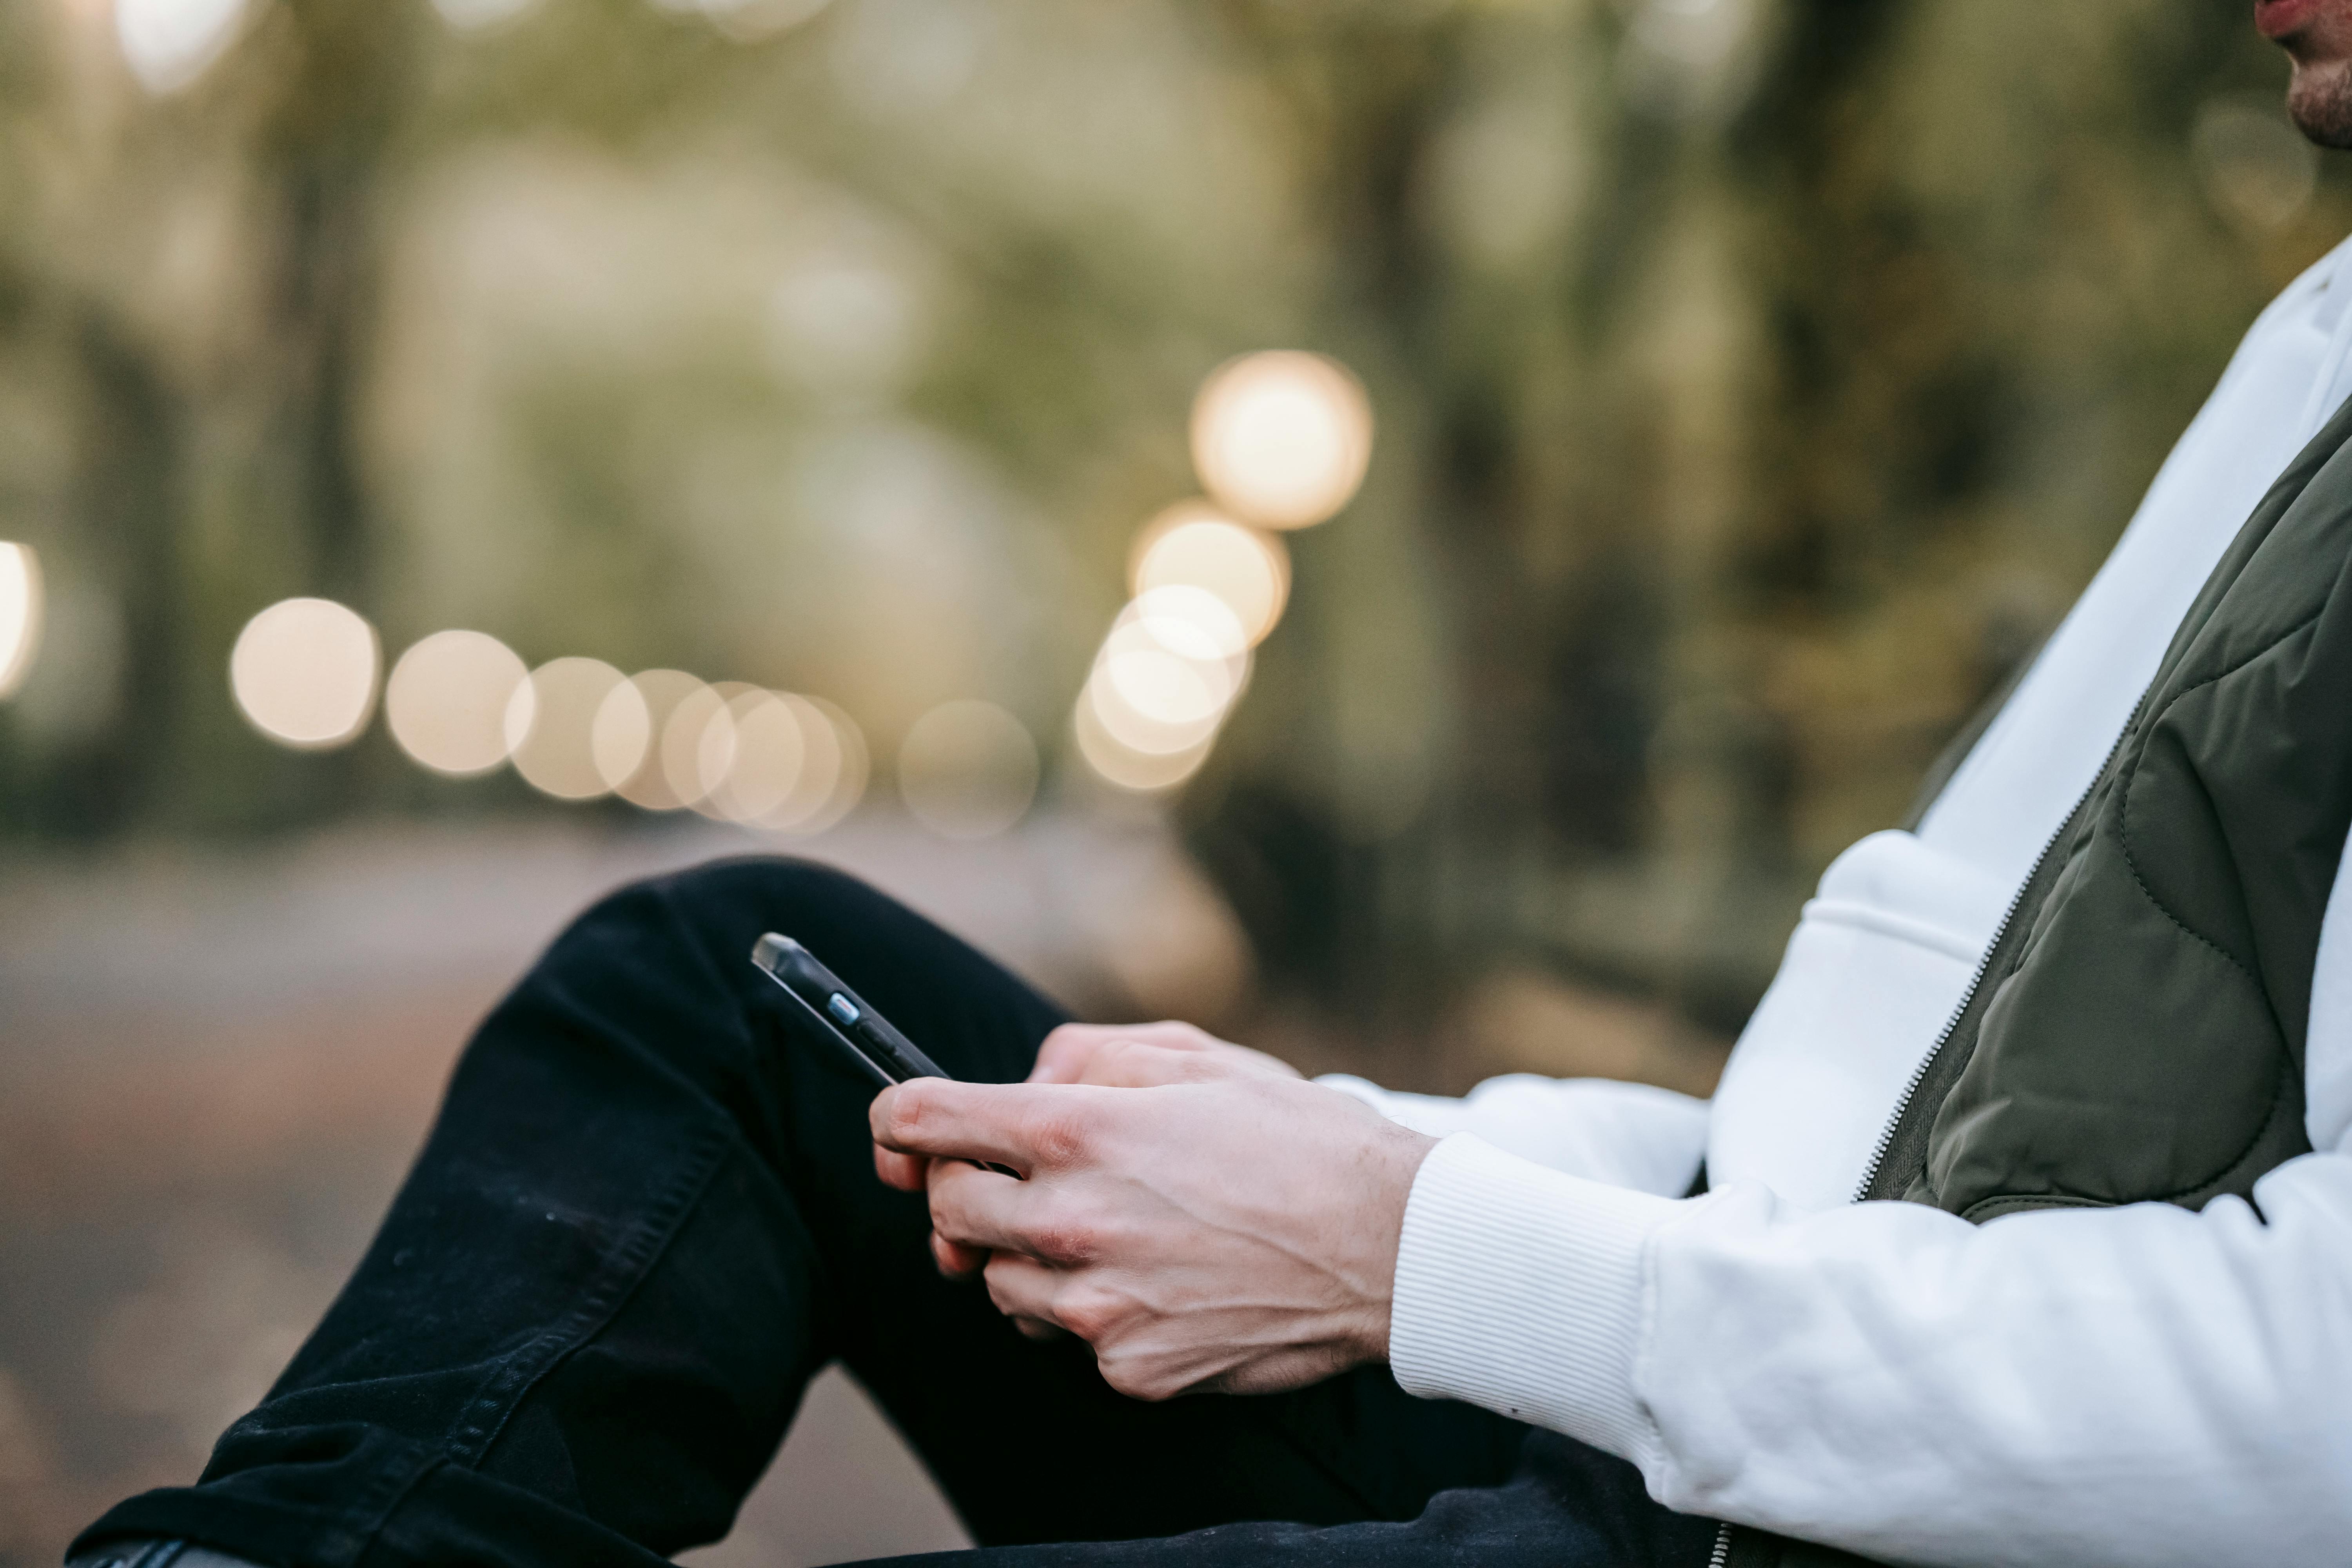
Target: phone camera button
843	1008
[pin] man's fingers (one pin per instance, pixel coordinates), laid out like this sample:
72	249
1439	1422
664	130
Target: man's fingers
1137	1064
1068	1050
1022	1288
1063	1057
1143	1056
908	1172
956	1260
1029	1127
980	1211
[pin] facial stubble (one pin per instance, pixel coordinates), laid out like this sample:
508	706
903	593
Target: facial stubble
2319	100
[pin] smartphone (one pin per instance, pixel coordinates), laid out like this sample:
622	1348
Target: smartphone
841	1015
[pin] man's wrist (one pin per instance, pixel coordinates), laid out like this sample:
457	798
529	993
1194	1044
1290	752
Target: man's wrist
1400	1151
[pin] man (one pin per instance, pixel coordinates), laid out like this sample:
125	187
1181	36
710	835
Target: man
2088	1026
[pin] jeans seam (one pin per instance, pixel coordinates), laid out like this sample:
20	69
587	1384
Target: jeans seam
493	1404
368	1512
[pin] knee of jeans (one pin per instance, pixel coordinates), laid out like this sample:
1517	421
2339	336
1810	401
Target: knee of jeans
731	903
705	921
666	961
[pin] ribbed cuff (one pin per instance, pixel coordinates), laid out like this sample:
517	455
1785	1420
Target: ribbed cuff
1519	1289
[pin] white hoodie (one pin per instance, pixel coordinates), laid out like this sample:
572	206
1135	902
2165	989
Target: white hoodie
2138	1385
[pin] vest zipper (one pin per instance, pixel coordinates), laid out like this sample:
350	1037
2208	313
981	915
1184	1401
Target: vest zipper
1984	963
1721	1556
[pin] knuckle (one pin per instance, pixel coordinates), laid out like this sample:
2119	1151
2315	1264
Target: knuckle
1092	1313
1000	1294
1066	1243
1062	1137
1136	1376
949	1196
1076	1232
944	1217
903	1122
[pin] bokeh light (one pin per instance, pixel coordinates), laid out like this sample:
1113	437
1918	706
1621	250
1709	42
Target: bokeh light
167	44
1173	666
445	702
620	735
625	740
20	614
1192	545
304	673
747	21
1163	687
854	767
698	743
1282	438
468	15
751	765
845	320
772	760
1125	766
1141	732
967	769
2257	169
550	723
681	744
803	807
1192	622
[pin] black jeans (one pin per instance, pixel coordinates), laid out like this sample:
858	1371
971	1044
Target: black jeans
648	1215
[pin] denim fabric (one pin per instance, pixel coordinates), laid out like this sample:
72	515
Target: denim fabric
648	1214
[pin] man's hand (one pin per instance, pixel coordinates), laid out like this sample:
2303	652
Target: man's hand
1137	1056
1118	1056
1202	1221
1128	1056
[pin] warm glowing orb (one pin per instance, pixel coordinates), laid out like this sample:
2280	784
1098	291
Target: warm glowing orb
550	723
446	703
1282	438
167	44
1192	622
20	614
1118	763
304	673
1167	669
967	769
765	755
1194	546
847	785
626	738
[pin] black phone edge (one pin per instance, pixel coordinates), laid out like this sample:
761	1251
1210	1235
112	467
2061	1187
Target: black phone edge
773	945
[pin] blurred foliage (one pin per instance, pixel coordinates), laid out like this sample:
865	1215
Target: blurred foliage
1757	381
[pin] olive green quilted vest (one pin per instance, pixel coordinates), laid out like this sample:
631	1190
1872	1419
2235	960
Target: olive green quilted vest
2136	1033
